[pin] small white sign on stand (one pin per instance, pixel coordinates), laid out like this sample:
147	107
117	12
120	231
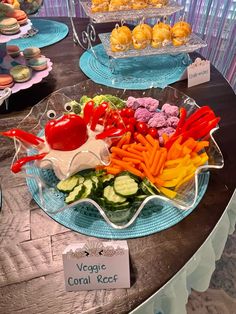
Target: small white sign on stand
198	72
96	265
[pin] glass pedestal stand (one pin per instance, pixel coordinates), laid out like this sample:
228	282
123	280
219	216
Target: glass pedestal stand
114	63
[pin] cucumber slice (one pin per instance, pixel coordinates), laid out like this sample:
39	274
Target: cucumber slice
95	180
108	177
69	184
75	194
125	186
111	196
89	188
149	188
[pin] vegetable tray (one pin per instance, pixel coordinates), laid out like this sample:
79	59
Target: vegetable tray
91	216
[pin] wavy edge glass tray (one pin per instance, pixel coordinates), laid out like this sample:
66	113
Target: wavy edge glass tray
128	15
193	44
42	182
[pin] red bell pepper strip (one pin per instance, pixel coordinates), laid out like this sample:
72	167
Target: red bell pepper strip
16	167
182	119
113	132
204	131
23	136
199	113
88	111
98	113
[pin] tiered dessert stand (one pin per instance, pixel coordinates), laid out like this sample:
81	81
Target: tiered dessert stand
87	38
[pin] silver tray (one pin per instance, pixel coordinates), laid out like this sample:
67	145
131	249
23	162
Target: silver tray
128	15
193	44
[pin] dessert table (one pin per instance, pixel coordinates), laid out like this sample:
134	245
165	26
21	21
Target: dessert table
164	266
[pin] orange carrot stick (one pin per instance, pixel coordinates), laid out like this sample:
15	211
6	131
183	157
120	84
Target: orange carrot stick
151	140
123	153
154	151
144	141
146	160
162	160
155	161
127	166
134	151
147	172
139	147
132	160
112	170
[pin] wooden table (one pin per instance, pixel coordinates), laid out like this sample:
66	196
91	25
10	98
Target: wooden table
31	273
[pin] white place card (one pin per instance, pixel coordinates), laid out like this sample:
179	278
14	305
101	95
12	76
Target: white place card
96	265
198	72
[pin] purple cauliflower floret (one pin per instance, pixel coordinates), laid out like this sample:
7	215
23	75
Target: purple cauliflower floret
150	103
147	102
132	103
157	121
170	110
143	115
168	131
172	121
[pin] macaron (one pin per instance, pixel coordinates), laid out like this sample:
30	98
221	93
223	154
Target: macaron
9	26
31	52
13	51
19	15
21	73
6	80
38	64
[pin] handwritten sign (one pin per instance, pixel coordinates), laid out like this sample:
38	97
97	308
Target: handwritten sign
96	265
198	72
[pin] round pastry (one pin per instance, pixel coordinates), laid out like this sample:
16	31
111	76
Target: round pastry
99	5
180	33
139	4
121	39
117	5
182	24
38	64
9	26
21	73
19	15
141	36
160	37
6	80
13	51
162	25
31	52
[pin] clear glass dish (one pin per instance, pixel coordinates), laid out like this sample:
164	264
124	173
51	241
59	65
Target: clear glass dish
128	15
193	44
42	181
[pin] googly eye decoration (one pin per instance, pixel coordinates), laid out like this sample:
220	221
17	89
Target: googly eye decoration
51	114
68	107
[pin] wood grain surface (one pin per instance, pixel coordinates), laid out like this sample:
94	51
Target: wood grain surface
31	243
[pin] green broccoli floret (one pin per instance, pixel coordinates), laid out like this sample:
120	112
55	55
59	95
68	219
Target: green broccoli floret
84	99
114	100
98	99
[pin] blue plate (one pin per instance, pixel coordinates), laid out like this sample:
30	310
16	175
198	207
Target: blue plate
133	73
49	32
87	220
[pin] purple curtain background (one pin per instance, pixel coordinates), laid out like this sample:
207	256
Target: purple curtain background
212	20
